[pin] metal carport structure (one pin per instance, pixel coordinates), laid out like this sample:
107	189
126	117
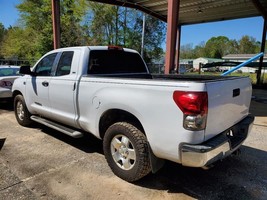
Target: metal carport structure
184	12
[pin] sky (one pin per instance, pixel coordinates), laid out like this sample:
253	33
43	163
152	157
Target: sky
233	29
191	34
8	12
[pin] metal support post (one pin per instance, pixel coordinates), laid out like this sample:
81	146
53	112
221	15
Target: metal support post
172	24
56	22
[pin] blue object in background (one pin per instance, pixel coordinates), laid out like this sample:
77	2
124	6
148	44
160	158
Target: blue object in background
243	64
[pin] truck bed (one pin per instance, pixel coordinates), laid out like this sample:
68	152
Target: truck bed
229	96
176	77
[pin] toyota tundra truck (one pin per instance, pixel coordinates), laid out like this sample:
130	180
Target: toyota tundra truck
143	119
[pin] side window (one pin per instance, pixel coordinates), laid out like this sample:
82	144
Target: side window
64	64
44	67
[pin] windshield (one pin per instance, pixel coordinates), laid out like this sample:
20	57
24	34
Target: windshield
9	72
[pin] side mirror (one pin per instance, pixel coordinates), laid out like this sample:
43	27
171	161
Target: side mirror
25	70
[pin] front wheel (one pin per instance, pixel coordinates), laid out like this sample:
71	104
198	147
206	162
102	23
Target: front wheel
21	111
126	151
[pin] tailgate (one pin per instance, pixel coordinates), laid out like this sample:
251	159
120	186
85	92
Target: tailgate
228	103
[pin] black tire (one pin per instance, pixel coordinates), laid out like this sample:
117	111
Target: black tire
21	111
126	151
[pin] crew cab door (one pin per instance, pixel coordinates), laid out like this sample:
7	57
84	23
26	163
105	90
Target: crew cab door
63	88
37	85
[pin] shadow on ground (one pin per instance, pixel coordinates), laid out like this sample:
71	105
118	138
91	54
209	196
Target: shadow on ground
236	177
6	105
258	106
88	143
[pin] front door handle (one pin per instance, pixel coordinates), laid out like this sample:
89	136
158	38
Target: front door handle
45	83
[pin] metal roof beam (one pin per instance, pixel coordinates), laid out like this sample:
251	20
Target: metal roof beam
134	6
159	7
260	8
154	2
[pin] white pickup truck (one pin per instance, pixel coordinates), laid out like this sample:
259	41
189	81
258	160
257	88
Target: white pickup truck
143	119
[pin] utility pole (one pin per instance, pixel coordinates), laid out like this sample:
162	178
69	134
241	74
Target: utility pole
143	35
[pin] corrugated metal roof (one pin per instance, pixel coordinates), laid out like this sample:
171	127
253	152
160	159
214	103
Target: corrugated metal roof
240	56
198	11
209	59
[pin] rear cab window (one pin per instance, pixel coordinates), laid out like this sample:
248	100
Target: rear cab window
115	62
64	64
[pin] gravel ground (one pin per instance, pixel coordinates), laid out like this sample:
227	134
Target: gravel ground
40	163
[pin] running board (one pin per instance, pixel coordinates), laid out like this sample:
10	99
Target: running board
58	127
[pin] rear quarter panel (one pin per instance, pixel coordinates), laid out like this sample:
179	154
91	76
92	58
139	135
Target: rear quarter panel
150	101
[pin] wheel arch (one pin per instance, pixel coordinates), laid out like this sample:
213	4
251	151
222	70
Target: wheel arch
22	113
15	93
112	116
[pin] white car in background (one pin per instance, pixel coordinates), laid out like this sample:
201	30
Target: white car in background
7	76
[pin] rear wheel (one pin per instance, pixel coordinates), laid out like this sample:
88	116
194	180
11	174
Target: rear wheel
21	112
126	151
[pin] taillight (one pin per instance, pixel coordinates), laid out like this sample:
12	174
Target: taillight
6	84
194	106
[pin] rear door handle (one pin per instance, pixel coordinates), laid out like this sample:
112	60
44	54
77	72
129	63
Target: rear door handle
45	83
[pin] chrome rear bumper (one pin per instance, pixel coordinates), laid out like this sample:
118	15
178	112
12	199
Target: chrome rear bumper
216	148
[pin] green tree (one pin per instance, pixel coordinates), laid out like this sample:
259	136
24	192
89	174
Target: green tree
107	25
72	14
15	47
199	50
233	47
113	25
217	47
2	35
187	51
35	16
154	35
34	36
248	45
102	26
